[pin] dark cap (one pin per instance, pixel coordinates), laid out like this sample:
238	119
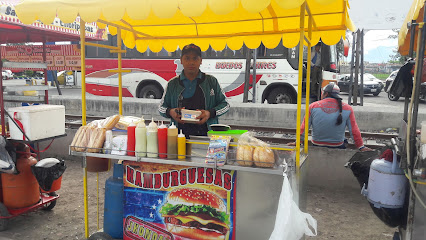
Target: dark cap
191	48
333	90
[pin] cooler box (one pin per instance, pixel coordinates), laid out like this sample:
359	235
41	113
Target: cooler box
39	121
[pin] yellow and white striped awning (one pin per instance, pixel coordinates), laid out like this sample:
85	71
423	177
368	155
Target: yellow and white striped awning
168	24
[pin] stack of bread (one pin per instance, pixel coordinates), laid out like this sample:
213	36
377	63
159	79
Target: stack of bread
91	138
251	151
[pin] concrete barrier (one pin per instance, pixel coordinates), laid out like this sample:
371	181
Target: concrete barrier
372	117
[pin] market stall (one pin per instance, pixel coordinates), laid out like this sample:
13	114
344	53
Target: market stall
171	24
28	184
411	43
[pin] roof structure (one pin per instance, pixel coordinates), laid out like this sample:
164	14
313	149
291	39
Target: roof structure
171	23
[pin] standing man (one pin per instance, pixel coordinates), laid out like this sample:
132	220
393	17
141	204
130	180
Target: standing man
329	119
193	90
316	72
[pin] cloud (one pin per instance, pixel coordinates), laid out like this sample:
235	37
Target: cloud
379	38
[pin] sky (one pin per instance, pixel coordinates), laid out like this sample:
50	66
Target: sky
378	18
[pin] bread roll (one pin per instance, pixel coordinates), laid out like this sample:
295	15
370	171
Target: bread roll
85	139
76	137
80	138
263	157
97	140
245	153
111	122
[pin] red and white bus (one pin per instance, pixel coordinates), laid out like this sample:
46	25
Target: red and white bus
276	72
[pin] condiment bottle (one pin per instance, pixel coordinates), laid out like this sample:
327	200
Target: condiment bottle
181	142
172	135
162	140
131	139
108	142
152	139
140	133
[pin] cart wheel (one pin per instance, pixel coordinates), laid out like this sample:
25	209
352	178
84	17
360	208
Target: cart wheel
3	221
100	236
50	205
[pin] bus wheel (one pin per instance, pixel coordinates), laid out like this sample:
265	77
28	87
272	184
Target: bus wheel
281	95
392	97
150	91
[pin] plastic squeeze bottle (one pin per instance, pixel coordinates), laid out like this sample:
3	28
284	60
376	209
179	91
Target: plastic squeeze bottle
131	139
181	142
140	133
162	140
172	135
152	139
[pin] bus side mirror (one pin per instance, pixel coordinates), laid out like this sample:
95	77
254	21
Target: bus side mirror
345	47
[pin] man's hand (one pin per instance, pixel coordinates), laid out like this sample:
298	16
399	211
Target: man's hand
175	114
205	115
365	149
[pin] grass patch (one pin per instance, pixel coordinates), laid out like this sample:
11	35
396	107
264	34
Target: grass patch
381	76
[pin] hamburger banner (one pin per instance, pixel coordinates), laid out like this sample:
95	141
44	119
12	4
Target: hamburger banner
165	202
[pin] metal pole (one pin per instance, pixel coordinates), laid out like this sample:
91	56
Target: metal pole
3	124
254	75
299	86
83	118
46	92
308	85
356	82
351	77
247	74
120	74
410	54
412	38
361	98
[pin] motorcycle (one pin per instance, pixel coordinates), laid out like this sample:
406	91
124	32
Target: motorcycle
402	84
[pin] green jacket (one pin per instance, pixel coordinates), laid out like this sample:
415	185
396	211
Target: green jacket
215	98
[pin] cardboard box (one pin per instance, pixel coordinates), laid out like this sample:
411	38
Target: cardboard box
190	115
39	121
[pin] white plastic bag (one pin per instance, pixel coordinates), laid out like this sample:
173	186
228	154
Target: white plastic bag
290	222
6	162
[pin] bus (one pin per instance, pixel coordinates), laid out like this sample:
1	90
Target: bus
276	72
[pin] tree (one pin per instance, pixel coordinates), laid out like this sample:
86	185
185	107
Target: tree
396	56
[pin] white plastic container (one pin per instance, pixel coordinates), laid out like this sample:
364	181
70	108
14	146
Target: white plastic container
39	121
423	132
386	184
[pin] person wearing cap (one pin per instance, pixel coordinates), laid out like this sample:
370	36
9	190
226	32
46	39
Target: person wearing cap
329	119
193	90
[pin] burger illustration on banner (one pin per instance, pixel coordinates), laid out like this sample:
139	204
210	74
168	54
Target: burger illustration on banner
195	214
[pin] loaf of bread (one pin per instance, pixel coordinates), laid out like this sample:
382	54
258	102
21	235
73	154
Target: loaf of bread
97	139
245	155
263	157
111	122
77	136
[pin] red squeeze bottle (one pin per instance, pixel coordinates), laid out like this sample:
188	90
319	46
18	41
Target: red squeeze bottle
162	141
131	139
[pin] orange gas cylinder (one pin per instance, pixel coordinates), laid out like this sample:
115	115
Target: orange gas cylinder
21	190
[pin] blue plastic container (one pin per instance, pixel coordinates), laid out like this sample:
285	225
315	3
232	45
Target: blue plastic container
113	208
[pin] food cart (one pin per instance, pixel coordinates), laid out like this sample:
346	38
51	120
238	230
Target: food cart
170	24
411	39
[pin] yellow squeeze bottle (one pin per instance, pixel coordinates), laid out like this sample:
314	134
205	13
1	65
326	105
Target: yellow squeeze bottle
181	145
